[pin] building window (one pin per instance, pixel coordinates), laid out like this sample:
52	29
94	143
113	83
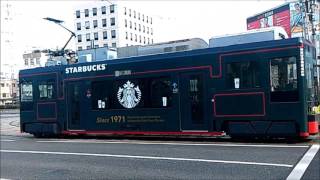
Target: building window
135	26
31	62
79	26
4	95
105	35
95	36
135	38
94	11
114	45
78	14
150	20
131	36
144	29
147	19
103	10
96	46
152	41
88	36
126	35
80	48
86	12
87	24
147	30
139	27
79	38
95	23
25	63
139	38
130	25
113	33
143	17
125	23
148	41
138	16
129	12
134	14
125	11
112	8
112	21
151	31
88	47
105	45
104	22
144	40
2	84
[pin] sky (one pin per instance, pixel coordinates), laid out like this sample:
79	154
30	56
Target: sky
202	19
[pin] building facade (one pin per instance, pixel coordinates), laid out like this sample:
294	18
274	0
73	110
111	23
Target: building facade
292	16
105	24
33	59
8	91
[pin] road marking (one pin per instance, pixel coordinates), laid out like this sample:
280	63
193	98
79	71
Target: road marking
7	140
148	157
4	179
303	164
178	144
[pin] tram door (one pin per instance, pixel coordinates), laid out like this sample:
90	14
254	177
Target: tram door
192	102
75	106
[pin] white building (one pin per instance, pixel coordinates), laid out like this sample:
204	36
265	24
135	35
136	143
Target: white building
34	58
105	24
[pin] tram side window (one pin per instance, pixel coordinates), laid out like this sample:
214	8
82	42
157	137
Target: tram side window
242	75
161	93
128	94
26	92
100	95
283	79
46	90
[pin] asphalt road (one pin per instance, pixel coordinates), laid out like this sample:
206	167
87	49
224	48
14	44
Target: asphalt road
25	157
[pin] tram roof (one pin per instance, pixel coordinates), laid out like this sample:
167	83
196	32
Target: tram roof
164	56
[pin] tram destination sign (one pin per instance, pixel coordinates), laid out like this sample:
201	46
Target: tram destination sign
86	68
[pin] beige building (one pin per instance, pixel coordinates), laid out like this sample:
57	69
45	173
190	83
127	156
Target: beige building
9	91
34	58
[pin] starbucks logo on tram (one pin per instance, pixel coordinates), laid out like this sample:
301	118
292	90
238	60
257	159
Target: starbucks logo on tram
129	96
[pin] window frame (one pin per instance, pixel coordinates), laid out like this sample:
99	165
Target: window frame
94	11
95	23
86	13
247	79
22	94
78	14
105	34
48	90
79	38
287	93
103	10
112	21
106	92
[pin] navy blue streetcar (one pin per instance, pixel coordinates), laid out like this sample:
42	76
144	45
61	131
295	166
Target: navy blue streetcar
259	89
